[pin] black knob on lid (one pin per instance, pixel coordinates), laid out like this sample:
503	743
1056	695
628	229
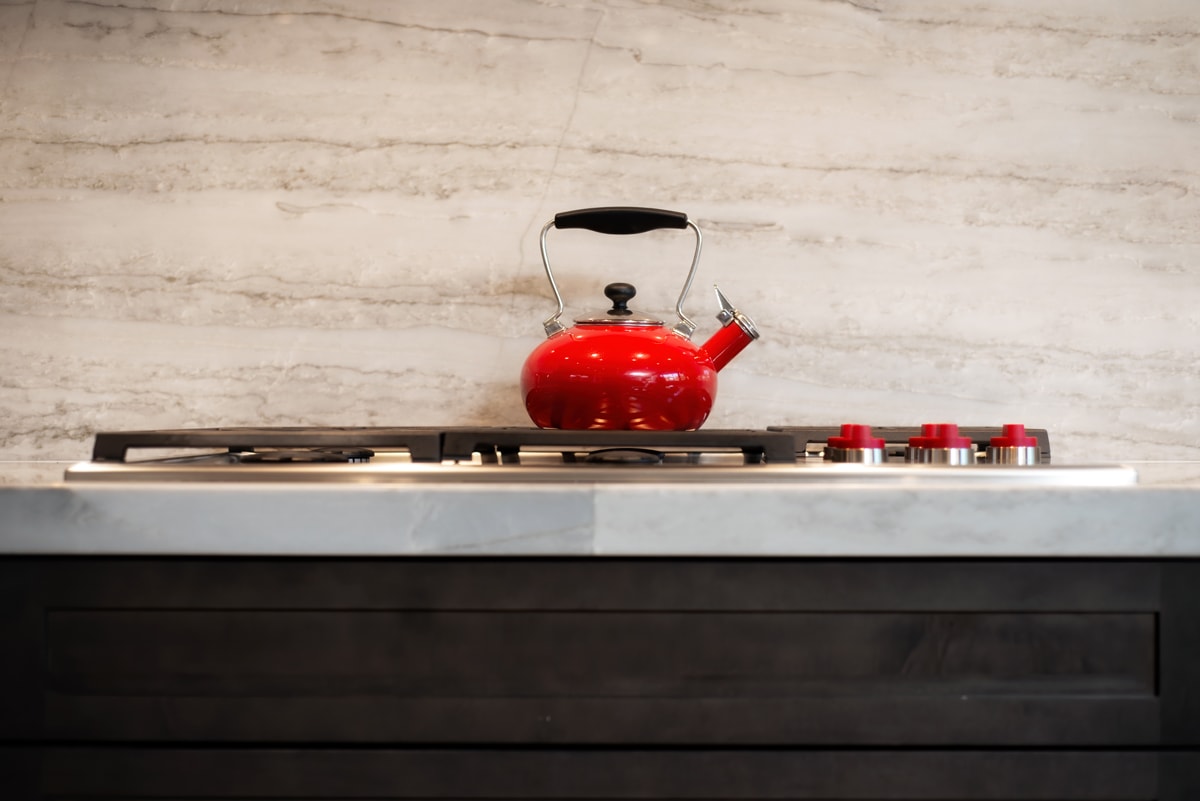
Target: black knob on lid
620	294
620	314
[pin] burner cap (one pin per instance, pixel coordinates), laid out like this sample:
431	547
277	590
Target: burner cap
624	456
304	455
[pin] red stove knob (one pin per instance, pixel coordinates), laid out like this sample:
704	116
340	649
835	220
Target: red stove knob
856	444
1014	446
1013	436
939	443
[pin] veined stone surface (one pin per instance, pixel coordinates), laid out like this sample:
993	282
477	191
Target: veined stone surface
326	213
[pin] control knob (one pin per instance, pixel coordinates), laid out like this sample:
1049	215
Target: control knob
855	444
939	443
1013	446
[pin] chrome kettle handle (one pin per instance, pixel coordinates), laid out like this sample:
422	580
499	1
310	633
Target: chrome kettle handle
622	220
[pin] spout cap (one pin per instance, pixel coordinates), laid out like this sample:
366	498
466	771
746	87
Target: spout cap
729	314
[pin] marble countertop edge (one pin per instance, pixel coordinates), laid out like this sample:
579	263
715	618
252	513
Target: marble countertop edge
810	520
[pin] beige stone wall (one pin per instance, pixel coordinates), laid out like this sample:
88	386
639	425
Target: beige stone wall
324	212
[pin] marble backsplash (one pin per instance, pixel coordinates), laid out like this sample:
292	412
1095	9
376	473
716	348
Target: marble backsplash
326	212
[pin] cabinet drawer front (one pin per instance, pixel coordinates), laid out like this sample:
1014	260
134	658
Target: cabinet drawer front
320	775
595	677
815	653
410	653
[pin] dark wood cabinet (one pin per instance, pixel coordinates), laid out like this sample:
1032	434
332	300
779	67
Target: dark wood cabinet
480	773
873	680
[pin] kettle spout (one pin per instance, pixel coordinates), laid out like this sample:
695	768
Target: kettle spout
736	332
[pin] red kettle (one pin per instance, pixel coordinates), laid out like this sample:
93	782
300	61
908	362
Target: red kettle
617	368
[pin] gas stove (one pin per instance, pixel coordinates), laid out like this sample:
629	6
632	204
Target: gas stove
942	453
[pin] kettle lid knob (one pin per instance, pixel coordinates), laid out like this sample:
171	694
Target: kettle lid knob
620	294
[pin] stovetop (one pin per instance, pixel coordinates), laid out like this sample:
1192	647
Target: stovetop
423	454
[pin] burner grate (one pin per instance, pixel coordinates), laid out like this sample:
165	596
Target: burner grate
505	444
429	444
423	444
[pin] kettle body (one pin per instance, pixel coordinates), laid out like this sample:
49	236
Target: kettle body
618	377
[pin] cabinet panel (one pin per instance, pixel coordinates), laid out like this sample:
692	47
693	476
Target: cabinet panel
596	652
482	654
554	774
760	585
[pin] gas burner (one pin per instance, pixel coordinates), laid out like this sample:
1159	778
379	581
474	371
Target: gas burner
351	455
272	456
620	456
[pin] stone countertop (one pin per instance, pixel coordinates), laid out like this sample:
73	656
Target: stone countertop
1158	517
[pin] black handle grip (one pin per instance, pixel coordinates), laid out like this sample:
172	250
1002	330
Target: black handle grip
620	219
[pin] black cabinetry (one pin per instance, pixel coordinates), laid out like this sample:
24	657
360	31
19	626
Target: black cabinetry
870	680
